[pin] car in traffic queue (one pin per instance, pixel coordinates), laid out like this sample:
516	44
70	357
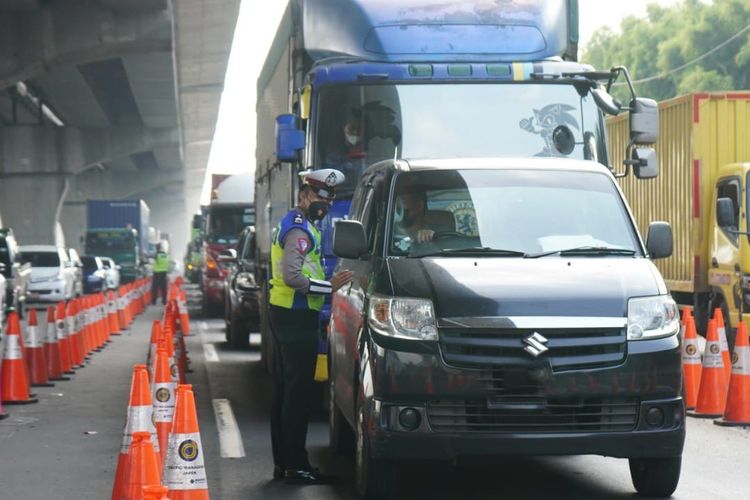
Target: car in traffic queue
16	273
242	307
94	274
111	272
529	319
77	271
52	273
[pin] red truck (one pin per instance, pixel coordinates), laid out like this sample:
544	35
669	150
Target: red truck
229	212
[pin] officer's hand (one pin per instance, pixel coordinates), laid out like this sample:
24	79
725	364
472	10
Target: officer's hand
425	235
341	278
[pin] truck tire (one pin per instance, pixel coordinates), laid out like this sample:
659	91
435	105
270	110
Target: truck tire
655	477
374	478
239	338
340	435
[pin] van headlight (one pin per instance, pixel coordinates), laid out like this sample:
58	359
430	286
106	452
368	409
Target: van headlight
652	317
401	317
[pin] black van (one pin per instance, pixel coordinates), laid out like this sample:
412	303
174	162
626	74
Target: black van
503	306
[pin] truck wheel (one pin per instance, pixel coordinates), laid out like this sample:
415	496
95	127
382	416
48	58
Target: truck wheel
655	477
340	435
238	337
374	478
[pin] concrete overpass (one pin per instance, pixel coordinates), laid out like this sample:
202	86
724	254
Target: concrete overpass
105	99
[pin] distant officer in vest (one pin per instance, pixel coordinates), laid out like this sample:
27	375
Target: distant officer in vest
159	281
298	291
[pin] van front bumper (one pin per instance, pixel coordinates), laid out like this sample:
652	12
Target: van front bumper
390	441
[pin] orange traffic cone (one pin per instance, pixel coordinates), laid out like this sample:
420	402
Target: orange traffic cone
738	398
52	349
113	325
721	329
691	363
139	418
155	492
35	358
155	337
167	343
15	384
686	313
76	347
712	394
184	469
66	348
184	316
163	392
122	324
142	468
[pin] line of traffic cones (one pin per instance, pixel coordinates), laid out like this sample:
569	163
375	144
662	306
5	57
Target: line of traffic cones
720	388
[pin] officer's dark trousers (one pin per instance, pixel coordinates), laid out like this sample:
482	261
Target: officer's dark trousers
295	334
159	287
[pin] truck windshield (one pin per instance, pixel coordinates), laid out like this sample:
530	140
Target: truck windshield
108	242
41	259
226	223
358	125
513	212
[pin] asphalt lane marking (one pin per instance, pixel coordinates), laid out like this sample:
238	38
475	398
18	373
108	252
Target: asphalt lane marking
209	351
230	439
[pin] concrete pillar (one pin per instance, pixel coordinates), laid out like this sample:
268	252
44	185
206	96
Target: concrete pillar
32	182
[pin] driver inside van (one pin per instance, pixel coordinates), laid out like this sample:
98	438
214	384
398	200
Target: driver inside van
411	216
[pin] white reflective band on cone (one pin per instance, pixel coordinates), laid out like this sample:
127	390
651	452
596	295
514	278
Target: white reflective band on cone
70	322
111	306
741	361
723	338
12	348
184	468
62	333
163	397
174	371
140	419
51	333
32	336
712	356
690	354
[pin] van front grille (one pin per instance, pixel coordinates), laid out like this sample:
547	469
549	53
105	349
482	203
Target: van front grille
534	414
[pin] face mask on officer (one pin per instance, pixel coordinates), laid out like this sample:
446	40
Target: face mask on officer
316	209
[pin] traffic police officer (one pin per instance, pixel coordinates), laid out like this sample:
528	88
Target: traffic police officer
159	280
298	291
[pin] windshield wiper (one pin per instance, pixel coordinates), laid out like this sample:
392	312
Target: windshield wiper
496	252
585	250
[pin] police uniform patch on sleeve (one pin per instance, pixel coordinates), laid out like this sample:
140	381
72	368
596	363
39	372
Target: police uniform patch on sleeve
303	244
298	219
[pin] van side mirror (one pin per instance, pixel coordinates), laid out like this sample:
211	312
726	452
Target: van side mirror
289	139
725	213
349	240
659	240
645	164
2	267
644	121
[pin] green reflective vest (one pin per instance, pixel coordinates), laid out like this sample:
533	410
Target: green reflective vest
161	265
283	295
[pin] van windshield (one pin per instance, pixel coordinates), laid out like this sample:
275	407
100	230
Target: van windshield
511	212
359	125
41	259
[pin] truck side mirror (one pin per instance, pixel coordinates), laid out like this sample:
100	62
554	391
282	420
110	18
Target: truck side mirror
289	139
725	213
228	255
645	164
659	240
349	240
644	121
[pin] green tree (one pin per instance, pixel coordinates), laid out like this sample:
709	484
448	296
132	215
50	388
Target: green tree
688	47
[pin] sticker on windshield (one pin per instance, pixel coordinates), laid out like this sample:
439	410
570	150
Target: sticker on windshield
546	121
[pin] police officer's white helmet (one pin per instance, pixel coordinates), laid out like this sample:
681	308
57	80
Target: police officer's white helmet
323	181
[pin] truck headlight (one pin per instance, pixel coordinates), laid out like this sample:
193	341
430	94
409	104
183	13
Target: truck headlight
246	281
652	317
404	318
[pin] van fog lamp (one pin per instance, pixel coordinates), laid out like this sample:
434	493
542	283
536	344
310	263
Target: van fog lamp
402	317
652	317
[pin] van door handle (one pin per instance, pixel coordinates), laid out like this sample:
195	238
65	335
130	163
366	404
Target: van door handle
714	262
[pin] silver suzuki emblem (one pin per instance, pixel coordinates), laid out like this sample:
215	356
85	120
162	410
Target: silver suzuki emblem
535	344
